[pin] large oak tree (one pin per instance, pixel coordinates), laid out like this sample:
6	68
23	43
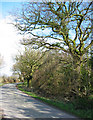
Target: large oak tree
65	26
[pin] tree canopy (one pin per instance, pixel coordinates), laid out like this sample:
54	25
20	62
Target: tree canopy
27	63
65	26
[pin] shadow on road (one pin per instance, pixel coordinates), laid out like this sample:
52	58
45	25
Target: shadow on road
16	104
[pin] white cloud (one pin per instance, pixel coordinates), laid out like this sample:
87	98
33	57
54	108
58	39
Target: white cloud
9	44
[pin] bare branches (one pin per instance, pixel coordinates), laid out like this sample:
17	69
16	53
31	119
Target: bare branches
59	19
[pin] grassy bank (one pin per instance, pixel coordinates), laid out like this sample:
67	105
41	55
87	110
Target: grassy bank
1	84
68	107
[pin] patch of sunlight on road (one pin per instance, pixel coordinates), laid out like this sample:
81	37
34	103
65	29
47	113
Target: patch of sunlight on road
44	112
54	117
61	113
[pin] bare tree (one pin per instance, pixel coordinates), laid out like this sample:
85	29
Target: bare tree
65	26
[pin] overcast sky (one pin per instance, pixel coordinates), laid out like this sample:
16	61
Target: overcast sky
9	39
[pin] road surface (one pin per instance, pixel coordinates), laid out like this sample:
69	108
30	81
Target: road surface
16	104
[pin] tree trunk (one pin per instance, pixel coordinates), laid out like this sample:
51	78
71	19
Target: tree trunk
77	64
29	81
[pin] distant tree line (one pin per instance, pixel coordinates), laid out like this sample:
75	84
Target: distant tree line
1	60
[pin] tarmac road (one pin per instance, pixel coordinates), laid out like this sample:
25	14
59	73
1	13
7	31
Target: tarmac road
16	104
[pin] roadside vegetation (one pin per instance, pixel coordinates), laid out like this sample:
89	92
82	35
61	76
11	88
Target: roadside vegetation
1	60
8	79
68	107
53	80
1	81
57	63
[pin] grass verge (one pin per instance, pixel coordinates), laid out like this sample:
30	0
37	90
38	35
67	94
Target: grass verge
1	84
67	107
